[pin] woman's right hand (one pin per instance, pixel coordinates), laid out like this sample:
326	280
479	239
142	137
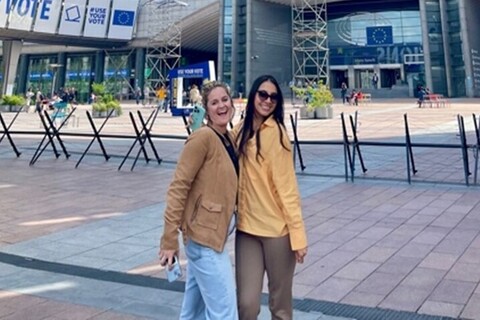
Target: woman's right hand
166	257
300	255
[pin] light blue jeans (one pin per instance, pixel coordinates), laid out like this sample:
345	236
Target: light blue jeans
210	287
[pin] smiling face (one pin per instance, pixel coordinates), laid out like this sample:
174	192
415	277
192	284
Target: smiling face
265	100
219	108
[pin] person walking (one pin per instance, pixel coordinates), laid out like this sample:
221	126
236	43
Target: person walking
200	202
375	80
343	91
28	98
161	95
271	235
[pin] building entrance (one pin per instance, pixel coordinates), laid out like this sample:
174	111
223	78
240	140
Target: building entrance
363	78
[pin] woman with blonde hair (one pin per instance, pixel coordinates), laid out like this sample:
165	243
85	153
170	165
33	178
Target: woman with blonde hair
200	203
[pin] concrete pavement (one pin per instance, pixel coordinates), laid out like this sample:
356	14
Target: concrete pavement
82	243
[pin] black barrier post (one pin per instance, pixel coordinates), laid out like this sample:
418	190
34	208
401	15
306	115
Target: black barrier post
477	135
138	138
346	149
143	138
96	136
295	121
187	127
295	142
7	133
48	135
56	133
409	149
463	141
147	127
356	144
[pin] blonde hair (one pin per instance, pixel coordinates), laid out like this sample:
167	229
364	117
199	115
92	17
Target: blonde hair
208	87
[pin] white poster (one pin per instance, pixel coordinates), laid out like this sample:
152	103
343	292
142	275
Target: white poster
48	14
122	20
3	13
73	16
21	14
96	20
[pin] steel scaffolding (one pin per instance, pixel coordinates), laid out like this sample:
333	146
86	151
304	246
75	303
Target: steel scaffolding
309	39
164	44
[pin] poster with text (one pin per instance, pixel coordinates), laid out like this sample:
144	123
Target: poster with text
47	16
73	16
96	19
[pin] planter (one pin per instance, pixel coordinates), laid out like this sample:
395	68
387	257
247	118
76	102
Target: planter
303	112
7	108
311	114
324	112
15	108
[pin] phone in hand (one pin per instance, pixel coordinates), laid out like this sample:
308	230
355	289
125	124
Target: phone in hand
198	114
175	271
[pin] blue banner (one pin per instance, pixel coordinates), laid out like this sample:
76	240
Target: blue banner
123	18
378	36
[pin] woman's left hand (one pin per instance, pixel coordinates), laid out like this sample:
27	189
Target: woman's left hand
300	255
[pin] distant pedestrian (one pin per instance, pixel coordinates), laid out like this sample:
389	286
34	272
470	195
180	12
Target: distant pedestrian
375	80
161	95
28	98
138	95
343	91
38	101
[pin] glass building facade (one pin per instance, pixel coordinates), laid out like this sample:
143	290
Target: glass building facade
381	39
403	42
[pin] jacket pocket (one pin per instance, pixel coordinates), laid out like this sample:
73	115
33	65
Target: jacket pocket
208	214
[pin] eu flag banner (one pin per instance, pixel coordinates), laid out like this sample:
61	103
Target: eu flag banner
123	18
380	35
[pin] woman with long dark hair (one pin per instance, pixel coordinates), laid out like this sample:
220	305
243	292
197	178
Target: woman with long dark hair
271	235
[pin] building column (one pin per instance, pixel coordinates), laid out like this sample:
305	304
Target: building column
99	66
351	77
61	71
426	45
446	46
140	68
467	50
11	55
23	74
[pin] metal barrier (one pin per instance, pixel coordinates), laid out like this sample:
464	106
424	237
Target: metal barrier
352	145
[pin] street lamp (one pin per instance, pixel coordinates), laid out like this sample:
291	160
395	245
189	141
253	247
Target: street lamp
54	67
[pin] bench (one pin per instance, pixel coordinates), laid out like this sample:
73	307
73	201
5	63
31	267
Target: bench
365	99
434	100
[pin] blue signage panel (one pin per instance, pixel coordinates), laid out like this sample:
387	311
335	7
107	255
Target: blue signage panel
379	36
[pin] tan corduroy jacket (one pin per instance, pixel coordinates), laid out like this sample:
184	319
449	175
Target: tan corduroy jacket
201	198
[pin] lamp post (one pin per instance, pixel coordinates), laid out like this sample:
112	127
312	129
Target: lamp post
54	67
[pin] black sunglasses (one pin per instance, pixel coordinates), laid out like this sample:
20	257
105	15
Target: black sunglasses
264	95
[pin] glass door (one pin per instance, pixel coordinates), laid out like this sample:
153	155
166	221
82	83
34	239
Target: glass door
363	79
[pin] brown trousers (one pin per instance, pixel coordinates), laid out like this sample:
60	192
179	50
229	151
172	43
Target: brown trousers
253	256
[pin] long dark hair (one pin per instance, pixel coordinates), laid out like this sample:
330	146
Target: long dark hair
247	131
